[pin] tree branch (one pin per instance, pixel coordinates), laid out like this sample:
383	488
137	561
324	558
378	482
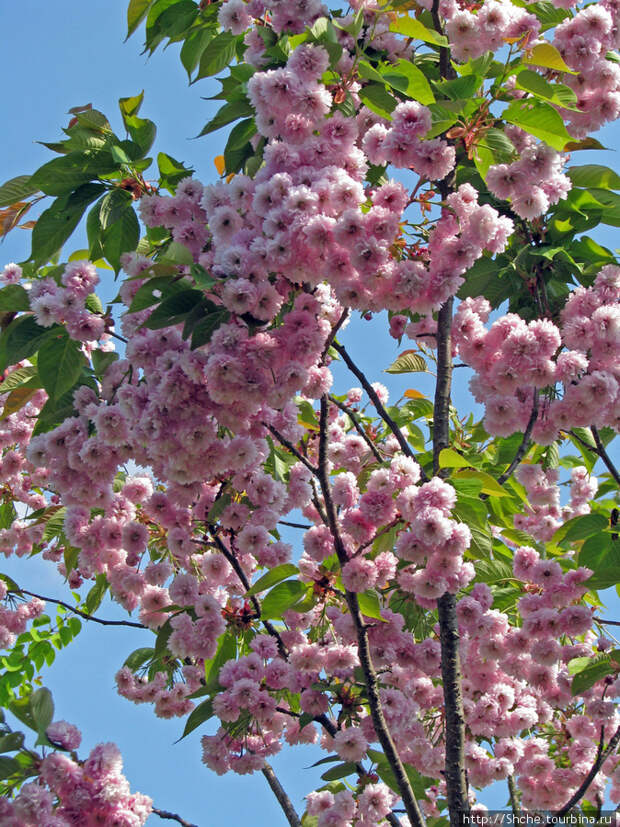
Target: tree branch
79	612
596	450
173	817
456	778
358	427
280	794
522	449
330	339
514	796
376	402
370	676
604	455
270	628
290	447
601	756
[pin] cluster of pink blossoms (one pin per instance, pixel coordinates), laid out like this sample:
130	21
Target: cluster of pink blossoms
472	34
584	41
543	515
534	182
69	792
401	143
514	359
13	620
65	303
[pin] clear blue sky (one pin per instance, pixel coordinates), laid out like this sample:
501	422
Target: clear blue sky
57	55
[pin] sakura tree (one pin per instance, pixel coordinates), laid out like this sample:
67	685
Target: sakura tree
437	627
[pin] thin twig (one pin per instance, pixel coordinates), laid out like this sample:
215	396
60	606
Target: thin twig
357	425
608	622
283	799
330	339
290	447
294	525
522	449
406	449
79	612
370	676
173	817
595	450
232	559
601	757
604	455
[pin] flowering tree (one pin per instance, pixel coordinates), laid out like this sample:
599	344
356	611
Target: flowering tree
438	626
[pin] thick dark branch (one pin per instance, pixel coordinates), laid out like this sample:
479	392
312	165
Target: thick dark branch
456	778
370	676
290	447
79	612
514	796
358	426
441	410
522	449
608	622
445	66
601	757
604	455
232	559
173	817
406	449
283	799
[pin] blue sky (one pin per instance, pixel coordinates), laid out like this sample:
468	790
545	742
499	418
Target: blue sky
58	55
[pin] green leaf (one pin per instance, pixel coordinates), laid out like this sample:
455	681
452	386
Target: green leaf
282	597
459	89
226	650
53	413
121	237
411	27
378	99
538	119
17	378
153	290
340	771
194	45
579	528
14	297
21	339
369	604
12	741
136	12
220	52
227	114
490	485
96	594
588	671
408	362
594	175
198	716
9	766
206	327
407	78
171	171
112	206
56	224
240	135
102	359
139	657
556	93
443	118
275	575
449	458
63	175
546	55
59	364
42	707
142	131
601	554
174	309
16	189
